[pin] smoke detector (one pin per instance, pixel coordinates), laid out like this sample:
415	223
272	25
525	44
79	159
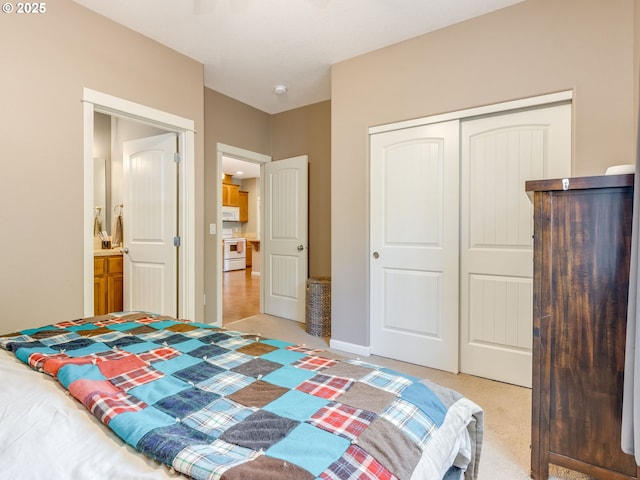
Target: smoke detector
280	89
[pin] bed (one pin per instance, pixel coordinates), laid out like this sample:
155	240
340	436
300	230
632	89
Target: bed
182	399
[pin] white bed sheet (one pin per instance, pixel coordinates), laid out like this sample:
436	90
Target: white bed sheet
46	434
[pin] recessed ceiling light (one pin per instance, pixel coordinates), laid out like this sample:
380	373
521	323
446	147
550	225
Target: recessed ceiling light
240	172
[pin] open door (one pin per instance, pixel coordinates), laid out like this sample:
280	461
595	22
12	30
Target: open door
150	232
284	246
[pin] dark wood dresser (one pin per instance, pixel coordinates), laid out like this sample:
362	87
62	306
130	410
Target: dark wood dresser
582	241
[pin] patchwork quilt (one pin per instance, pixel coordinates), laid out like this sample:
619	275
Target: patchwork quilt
217	404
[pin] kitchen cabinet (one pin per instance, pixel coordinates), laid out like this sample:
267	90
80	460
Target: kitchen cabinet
107	284
249	258
243	203
582	250
230	195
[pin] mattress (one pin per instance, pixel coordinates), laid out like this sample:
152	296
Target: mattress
189	399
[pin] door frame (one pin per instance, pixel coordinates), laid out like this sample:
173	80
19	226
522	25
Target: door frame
94	101
246	156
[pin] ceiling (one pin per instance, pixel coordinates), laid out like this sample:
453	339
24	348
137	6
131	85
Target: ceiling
250	46
240	169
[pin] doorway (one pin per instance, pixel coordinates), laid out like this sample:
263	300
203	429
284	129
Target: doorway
236	288
241	256
93	102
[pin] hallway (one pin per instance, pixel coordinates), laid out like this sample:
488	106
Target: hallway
240	295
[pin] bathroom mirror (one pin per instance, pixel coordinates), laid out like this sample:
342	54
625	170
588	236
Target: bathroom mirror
100	200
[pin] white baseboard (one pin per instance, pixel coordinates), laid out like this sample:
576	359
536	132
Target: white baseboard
350	348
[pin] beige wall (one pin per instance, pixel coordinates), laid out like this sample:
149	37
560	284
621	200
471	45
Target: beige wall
302	131
307	131
533	48
47	61
233	123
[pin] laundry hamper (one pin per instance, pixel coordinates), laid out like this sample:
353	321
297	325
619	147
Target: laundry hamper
318	312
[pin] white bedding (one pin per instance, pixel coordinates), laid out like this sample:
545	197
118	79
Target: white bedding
80	447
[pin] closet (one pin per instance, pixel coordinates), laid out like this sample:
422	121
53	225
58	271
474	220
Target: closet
450	237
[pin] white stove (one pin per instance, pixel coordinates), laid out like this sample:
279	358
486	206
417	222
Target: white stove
234	251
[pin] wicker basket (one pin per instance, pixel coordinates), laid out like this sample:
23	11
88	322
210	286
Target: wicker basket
318	314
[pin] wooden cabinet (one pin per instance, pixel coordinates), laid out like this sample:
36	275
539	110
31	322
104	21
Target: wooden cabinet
243	203
107	284
582	239
230	195
249	259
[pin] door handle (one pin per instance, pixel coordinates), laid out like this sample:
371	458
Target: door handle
300	248
376	255
124	250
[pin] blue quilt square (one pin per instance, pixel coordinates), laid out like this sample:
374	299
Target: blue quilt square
24	353
217	417
15	346
198	372
278	343
427	401
123	327
155	391
140	347
164	443
175	338
78	328
226	383
259	431
230	360
309	447
132	426
97	347
207	351
213	337
124	341
288	376
169	367
189	345
163	324
70	373
296	405
186	402
284	357
74	344
155	336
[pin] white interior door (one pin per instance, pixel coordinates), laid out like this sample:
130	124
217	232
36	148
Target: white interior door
284	243
150	195
414	205
499	153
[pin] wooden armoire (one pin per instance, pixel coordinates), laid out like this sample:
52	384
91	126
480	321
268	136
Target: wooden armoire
582	242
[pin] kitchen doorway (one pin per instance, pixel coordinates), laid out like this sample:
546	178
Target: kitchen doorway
239	217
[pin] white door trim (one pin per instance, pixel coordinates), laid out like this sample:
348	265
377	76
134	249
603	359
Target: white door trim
185	128
247	156
483	110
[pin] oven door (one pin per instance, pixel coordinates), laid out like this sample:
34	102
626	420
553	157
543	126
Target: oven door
232	249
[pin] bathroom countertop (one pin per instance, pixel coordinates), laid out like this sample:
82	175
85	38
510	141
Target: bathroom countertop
107	251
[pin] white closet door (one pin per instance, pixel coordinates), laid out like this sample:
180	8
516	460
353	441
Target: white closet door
414	208
499	153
